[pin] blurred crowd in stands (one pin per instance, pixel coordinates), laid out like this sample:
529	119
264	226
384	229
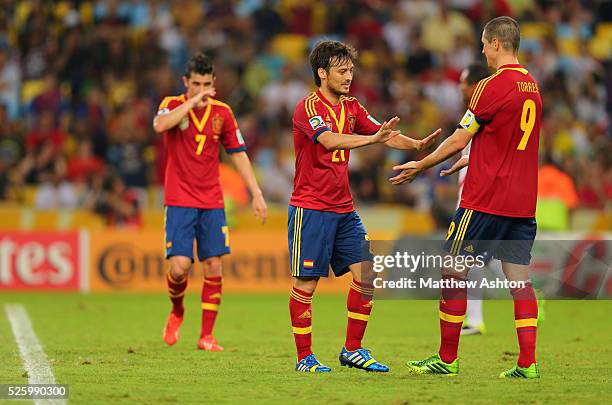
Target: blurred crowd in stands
80	82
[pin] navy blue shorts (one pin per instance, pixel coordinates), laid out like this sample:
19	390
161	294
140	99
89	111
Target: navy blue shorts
207	227
318	239
508	239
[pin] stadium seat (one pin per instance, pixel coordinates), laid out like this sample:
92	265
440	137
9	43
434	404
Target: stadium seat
535	30
46	220
601	44
603	222
85	219
10	217
29	195
30	89
290	46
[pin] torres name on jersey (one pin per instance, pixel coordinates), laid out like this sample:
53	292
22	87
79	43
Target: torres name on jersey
192	169
504	114
321	176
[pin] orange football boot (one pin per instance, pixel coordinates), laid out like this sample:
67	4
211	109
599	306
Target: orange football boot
209	343
171	330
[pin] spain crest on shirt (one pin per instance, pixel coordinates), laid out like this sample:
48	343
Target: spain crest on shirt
217	124
351	121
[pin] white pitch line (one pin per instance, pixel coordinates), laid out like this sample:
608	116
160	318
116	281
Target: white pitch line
34	357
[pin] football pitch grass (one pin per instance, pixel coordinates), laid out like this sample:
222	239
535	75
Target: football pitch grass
109	349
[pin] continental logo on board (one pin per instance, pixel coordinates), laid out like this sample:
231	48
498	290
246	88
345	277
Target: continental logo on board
120	264
134	261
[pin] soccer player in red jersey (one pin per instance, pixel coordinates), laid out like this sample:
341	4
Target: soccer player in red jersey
324	228
194	125
499	196
473	323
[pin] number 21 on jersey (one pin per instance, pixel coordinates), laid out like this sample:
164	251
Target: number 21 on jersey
528	118
338	156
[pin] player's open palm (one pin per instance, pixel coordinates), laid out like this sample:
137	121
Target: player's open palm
260	209
386	131
409	172
429	140
459	164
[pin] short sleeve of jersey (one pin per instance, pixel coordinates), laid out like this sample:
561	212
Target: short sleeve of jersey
365	124
231	137
483	105
168	104
308	121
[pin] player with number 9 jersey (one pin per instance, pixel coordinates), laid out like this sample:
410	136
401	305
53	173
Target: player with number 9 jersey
506	148
496	216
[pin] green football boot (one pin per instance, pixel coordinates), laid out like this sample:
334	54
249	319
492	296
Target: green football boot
518	372
433	365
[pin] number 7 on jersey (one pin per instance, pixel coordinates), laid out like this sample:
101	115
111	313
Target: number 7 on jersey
200	139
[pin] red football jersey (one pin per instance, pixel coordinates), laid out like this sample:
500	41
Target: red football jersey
321	176
192	168
504	113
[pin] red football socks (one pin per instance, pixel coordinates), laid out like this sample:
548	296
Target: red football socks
211	299
359	305
452	311
300	308
176	291
525	321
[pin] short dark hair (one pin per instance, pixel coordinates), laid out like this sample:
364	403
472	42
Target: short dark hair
330	53
507	32
200	64
476	72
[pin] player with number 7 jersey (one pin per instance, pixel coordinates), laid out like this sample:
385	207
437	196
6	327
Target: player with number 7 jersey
195	125
192	170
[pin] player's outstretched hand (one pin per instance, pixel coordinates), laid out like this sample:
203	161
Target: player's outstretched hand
386	131
197	99
409	172
459	164
429	140
260	208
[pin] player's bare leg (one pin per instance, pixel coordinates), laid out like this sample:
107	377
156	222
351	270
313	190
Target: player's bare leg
474	322
176	279
212	288
359	305
474	319
525	321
